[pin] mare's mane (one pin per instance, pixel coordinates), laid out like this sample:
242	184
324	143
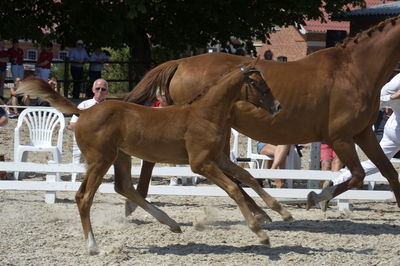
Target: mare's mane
368	32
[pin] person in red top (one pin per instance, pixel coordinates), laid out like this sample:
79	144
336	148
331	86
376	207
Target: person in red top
3	67
17	59
44	62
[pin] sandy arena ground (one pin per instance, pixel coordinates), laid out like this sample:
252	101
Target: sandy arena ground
35	233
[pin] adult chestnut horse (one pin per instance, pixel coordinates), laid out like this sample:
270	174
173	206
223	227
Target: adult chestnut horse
192	134
331	96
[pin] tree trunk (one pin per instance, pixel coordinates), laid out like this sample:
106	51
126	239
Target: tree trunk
140	57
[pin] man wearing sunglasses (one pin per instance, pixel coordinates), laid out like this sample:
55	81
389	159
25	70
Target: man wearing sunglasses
100	90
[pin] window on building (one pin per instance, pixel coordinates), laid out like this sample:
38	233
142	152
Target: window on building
282	58
62	55
31	54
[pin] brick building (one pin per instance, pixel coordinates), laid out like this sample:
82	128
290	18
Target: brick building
292	43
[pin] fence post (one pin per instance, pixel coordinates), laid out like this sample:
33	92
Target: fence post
314	163
50	196
66	77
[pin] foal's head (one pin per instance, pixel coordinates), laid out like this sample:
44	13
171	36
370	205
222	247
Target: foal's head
257	91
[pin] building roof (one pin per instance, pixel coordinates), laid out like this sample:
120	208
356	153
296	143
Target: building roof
387	9
317	26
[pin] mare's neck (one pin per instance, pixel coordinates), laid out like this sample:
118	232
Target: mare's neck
221	96
376	56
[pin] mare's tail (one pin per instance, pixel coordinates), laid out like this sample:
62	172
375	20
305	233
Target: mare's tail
35	86
158	77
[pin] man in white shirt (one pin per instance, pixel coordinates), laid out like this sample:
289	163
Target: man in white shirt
100	90
78	56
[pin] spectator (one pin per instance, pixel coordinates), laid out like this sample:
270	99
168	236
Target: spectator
3	67
44	62
23	100
95	69
236	46
268	55
100	90
78	57
329	159
3	117
17	60
390	144
279	152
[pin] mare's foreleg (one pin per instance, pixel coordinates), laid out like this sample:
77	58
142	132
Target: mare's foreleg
229	168
124	186
346	151
370	146
212	172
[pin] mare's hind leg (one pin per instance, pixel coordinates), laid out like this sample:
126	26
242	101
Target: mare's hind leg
211	171
123	186
84	199
346	151
370	146
229	168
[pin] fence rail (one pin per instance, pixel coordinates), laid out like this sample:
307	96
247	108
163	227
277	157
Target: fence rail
51	185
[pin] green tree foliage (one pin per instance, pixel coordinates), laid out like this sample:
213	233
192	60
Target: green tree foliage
175	25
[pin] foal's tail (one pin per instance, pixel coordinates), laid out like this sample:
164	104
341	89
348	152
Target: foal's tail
158	77
35	86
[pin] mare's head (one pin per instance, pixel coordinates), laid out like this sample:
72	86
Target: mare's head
257	91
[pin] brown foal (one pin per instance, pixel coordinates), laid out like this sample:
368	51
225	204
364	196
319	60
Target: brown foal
113	131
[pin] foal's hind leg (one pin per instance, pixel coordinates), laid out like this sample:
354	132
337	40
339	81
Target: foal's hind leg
211	171
123	186
84	199
228	167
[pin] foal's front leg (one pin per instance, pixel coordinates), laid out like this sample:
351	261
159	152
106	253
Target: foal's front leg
228	167
211	171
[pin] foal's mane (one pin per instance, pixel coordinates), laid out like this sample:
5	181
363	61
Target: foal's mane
368	32
205	89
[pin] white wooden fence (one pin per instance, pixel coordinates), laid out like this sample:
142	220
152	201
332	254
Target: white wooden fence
50	186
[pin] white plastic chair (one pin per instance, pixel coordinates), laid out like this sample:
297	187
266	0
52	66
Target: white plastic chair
41	124
255	157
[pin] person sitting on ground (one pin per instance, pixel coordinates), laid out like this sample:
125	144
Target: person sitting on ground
279	152
17	99
100	90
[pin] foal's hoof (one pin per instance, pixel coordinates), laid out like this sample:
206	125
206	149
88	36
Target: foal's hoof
288	218
310	200
266	242
263	219
176	229
129	207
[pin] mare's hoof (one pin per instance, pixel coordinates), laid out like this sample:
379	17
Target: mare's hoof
310	200
324	205
176	229
265	242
